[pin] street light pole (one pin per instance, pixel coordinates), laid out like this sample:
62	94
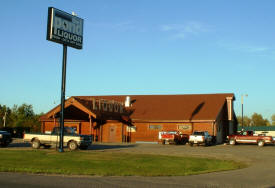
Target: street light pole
242	108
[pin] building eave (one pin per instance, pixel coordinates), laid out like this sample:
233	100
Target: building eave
170	121
69	102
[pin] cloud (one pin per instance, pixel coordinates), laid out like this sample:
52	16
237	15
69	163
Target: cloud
181	31
252	49
243	47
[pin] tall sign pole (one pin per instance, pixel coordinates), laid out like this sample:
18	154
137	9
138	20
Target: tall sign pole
63	86
65	29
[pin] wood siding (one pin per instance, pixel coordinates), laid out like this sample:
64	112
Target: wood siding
115	131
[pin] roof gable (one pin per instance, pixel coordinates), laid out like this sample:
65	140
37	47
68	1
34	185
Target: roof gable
68	103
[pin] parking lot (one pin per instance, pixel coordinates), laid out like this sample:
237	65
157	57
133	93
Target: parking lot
260	172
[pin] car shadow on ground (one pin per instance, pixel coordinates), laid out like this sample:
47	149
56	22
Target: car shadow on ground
253	144
99	146
18	143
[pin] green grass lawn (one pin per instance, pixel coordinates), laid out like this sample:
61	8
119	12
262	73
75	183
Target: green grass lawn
108	163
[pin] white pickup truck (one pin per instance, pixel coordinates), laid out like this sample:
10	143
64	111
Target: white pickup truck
200	137
70	139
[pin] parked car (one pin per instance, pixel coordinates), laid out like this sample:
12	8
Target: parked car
172	137
249	137
5	138
200	138
71	139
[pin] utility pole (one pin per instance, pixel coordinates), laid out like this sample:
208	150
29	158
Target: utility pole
242	108
4	118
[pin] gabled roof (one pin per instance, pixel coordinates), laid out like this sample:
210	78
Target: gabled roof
70	102
193	107
77	107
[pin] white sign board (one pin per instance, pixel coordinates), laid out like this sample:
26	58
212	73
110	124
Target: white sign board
64	28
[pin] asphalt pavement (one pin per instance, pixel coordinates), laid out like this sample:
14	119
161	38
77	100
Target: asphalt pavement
260	173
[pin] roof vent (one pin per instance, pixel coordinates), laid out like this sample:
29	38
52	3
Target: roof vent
128	101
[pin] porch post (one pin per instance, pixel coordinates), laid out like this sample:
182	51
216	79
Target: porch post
91	129
100	132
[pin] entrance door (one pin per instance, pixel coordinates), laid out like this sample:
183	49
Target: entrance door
112	133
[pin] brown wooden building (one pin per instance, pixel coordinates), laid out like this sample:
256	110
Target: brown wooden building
139	118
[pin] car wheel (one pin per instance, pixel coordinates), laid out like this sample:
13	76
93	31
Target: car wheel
4	144
72	145
207	144
35	144
191	144
232	142
183	142
261	143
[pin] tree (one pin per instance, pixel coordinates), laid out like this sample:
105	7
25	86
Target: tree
21	116
255	120
273	119
4	114
258	120
267	122
246	120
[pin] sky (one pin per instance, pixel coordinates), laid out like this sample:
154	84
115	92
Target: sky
140	47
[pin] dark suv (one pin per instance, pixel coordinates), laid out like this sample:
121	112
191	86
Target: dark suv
5	138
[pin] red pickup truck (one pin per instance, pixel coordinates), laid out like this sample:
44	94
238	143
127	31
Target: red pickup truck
249	137
172	137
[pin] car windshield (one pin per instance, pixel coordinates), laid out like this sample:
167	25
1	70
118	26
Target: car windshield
69	131
171	132
199	133
168	132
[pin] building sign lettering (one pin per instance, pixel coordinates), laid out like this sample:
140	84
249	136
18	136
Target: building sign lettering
185	127
108	106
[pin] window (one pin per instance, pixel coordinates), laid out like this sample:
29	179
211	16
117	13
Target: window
155	127
131	129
